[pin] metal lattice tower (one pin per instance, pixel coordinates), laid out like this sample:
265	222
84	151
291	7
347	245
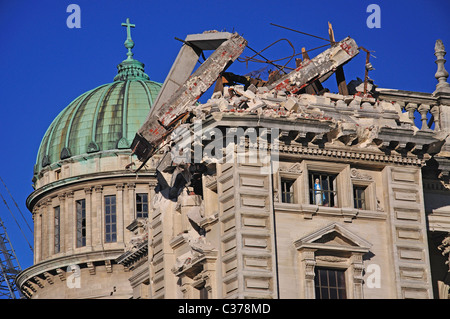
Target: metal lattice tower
9	267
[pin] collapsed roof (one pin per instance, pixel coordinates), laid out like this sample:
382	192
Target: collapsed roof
352	117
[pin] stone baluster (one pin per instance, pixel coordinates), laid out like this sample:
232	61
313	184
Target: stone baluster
411	108
435	111
423	110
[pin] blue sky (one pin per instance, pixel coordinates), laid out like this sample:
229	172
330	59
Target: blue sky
46	65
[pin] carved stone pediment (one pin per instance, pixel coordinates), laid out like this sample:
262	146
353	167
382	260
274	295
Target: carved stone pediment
334	237
293	169
357	174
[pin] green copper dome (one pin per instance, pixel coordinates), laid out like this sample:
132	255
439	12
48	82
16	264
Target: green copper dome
102	119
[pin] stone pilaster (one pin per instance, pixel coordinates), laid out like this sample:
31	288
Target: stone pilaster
248	252
406	211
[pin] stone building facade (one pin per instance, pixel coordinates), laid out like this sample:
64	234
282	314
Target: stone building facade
355	204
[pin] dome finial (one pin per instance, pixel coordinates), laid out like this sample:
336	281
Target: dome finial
129	43
130	69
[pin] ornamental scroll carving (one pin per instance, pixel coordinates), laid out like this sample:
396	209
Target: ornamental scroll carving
357	174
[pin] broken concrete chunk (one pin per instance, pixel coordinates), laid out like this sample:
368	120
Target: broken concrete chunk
341	104
262	90
255	104
252	88
291	104
333	96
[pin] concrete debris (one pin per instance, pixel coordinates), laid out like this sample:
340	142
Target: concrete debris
276	103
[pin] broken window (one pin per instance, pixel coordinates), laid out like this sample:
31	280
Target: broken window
110	219
322	189
329	283
141	205
81	222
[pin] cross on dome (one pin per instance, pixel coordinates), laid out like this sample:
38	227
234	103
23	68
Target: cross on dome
129	43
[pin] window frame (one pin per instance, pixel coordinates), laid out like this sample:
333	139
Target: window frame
144	214
331	193
112	215
292	192
342	180
292	173
318	282
80	224
369	193
359	198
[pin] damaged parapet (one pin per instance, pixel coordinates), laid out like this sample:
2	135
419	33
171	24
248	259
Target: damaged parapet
169	112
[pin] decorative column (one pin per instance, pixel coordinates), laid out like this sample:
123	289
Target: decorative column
423	110
62	221
119	213
37	233
411	108
309	261
132	199
88	193
441	74
45	227
358	278
435	111
70	223
98	238
50	228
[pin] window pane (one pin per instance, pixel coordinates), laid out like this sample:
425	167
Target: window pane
142	205
324	293
332	278
340	279
323	278
359	197
110	218
81	222
342	293
287	191
329	283
333	294
322	189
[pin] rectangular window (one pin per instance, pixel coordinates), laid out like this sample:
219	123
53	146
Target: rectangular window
81	222
329	283
57	222
287	190
322	189
141	205
359	197
110	219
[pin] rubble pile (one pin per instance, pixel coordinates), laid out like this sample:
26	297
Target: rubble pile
276	103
